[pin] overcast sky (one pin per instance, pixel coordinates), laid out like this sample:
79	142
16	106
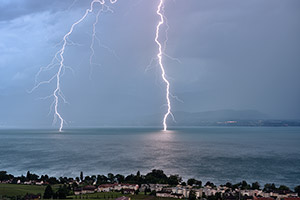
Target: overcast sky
234	55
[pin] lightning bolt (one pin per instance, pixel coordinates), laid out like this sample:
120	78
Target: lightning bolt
59	59
104	8
160	54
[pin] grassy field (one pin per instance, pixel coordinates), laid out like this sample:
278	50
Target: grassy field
21	190
16	190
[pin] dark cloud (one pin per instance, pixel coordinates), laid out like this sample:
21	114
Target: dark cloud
234	55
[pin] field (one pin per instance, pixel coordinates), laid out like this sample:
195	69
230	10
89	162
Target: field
13	190
20	190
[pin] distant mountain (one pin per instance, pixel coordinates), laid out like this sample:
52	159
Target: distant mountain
206	118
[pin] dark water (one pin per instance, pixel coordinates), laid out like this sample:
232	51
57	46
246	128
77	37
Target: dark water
211	153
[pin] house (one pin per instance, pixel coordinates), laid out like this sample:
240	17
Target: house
177	196
119	187
163	194
169	194
128	191
263	198
106	187
291	198
78	191
208	191
39	182
88	189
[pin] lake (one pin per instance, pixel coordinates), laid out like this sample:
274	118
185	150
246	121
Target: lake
217	154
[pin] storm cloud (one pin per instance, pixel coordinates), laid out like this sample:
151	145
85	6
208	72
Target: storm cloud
234	55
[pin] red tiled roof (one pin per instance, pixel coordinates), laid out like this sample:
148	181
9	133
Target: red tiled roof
291	198
263	198
89	187
127	184
107	185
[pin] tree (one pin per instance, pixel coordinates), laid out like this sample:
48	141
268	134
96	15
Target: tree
48	194
245	185
62	192
53	180
88	180
228	184
94	178
147	189
208	183
297	189
153	193
284	188
44	178
101	179
191	181
255	186
111	177
81	176
62	180
174	179
198	183
218	195
269	187
74	185
4	176
120	178
156	176
130	179
28	176
192	195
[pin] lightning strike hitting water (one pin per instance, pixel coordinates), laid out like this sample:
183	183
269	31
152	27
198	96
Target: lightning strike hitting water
59	57
159	56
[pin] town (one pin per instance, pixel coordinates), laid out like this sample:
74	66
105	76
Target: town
153	185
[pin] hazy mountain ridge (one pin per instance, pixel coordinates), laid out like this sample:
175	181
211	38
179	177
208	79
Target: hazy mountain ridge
226	117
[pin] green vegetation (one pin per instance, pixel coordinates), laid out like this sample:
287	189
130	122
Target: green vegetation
297	189
64	187
48	194
20	190
192	195
13	190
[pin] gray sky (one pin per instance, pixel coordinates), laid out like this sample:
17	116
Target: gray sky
234	55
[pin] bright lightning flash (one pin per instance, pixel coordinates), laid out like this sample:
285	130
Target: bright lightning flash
58	60
160	62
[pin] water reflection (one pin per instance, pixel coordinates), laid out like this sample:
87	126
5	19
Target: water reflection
214	154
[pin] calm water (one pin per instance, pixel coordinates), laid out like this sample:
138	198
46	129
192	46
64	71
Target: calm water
214	154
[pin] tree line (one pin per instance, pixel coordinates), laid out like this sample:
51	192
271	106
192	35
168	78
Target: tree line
154	177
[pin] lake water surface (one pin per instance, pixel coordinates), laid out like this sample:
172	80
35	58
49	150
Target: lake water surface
217	154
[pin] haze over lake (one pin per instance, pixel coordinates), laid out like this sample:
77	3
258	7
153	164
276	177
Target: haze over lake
217	154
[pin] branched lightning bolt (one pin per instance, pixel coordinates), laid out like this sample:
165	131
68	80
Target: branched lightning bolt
160	56
104	8
58	61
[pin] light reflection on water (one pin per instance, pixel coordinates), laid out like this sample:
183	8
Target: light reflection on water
215	154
